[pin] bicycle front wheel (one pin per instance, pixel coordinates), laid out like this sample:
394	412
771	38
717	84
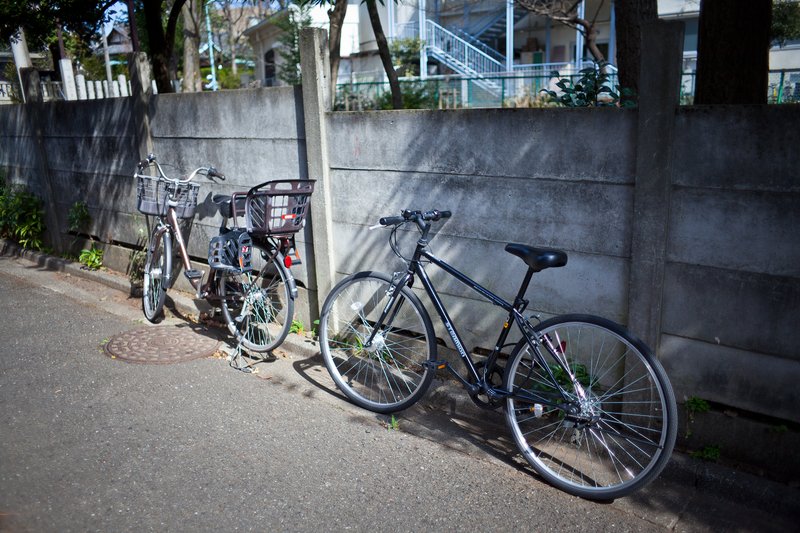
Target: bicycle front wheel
157	272
392	372
257	305
613	427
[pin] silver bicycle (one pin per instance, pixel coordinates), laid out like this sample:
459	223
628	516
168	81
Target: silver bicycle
249	277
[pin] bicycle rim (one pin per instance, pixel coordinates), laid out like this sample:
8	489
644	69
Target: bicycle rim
257	306
156	275
623	429
391	374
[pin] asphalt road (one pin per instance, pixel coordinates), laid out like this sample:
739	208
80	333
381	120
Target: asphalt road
91	443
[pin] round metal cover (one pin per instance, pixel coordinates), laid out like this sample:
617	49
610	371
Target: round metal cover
157	345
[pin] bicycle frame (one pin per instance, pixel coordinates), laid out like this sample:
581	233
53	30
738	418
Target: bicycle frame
515	310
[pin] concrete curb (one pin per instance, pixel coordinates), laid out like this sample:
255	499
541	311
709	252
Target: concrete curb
708	478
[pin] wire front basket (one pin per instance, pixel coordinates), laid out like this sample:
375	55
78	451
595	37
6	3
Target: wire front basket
278	207
153	196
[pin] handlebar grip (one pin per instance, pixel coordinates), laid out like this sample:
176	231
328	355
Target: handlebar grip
445	214
144	163
391	221
214	173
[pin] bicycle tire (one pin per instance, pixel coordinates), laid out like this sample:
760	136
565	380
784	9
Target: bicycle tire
395	371
625	432
258	306
157	274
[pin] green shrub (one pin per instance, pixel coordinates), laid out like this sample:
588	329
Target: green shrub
21	216
593	89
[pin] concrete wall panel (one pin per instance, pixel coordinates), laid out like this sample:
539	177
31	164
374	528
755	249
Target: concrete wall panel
738	147
742	310
737	378
735	230
594	144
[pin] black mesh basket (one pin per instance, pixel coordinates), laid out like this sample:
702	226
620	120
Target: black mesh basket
278	207
153	194
231	251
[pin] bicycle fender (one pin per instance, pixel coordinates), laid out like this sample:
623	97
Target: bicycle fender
291	283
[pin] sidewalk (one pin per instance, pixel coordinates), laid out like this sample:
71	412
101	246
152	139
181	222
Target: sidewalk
686	491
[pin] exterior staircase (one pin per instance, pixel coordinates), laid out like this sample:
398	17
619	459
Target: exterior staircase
463	57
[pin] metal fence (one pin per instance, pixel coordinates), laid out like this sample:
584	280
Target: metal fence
514	90
449	92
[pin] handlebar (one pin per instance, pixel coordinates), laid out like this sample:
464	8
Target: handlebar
416	216
209	171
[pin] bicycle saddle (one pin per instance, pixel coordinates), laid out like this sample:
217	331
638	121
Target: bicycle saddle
538	258
223	201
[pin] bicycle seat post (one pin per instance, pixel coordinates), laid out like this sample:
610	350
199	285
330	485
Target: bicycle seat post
520	302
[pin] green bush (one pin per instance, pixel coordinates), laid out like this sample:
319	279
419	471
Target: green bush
416	95
593	89
21	216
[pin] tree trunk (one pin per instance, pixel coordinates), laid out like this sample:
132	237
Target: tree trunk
733	52
336	17
386	56
162	43
191	44
157	45
630	15
590	34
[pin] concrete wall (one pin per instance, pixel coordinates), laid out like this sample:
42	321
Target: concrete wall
564	178
731	322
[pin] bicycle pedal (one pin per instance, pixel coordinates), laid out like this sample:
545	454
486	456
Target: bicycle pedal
193	274
436	365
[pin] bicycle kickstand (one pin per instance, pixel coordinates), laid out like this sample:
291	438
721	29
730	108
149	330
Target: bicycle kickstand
236	361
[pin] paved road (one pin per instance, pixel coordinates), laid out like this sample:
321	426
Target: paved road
90	443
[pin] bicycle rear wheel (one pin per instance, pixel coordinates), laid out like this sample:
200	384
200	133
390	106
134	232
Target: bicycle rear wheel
258	306
391	374
621	430
157	274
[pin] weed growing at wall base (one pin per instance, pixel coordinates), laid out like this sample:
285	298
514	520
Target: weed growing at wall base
92	258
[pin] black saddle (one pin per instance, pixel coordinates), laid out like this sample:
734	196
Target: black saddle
538	258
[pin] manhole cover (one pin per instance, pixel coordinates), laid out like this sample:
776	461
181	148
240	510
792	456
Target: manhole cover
158	345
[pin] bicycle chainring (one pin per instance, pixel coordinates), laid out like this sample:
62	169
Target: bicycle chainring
494	379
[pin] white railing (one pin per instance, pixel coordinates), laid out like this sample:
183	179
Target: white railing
463	56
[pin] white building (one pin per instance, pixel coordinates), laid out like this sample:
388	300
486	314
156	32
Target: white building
485	38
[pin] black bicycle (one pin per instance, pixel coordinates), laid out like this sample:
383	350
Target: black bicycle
588	404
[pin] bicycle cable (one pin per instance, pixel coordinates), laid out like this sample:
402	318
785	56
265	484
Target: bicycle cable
395	246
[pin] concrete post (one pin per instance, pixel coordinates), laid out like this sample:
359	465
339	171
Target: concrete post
80	85
123	85
31	85
659	90
67	79
22	57
90	90
98	89
315	66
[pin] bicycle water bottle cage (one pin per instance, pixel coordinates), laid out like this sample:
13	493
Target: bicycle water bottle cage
231	251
